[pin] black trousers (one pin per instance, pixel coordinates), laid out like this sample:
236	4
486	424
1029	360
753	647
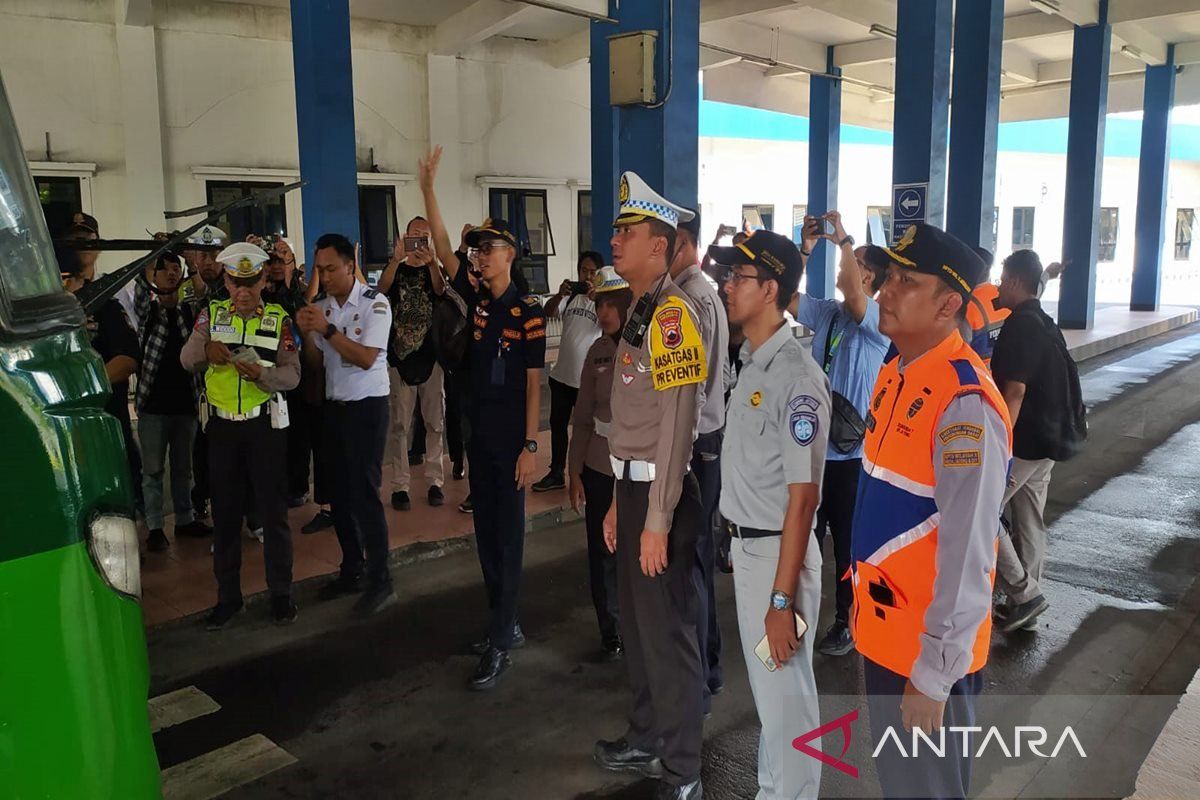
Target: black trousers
305	446
839	490
458	392
706	466
244	461
562	403
355	437
499	533
658	627
923	774
602	565
200	491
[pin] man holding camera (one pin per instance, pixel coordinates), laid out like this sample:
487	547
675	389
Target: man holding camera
411	281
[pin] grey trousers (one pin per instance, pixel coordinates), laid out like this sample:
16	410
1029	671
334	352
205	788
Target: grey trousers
1022	553
786	699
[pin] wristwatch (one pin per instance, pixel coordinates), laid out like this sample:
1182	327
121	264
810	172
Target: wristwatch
780	601
330	330
531	445
849	240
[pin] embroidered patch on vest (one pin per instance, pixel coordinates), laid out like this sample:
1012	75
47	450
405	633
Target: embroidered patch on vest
916	406
960	431
804	425
962	458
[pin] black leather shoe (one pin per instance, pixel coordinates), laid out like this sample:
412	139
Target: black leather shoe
612	649
340	586
552	482
466	506
459	472
689	791
621	756
492	665
838	640
374	600
400	501
436	498
221	614
481	646
283	610
320	521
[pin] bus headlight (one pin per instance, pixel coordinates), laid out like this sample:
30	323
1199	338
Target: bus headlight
113	544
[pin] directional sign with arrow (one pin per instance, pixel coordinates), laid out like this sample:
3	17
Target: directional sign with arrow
908	206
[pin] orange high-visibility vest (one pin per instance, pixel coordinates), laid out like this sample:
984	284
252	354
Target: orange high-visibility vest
985	320
894	541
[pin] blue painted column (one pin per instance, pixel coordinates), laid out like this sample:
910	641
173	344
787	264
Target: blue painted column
1153	166
824	142
974	121
604	139
922	108
1085	171
325	118
663	144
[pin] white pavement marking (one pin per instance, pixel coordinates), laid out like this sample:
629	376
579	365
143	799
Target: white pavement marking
213	774
178	707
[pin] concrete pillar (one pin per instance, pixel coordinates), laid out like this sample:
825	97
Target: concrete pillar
325	117
662	144
824	142
974	121
604	139
145	190
1085	170
1153	165
923	35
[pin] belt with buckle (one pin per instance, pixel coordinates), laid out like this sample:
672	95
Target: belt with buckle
229	416
637	471
751	533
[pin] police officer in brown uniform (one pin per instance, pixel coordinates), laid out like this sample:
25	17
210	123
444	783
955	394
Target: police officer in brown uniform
653	523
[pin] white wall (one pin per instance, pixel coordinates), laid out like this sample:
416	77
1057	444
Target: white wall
228	100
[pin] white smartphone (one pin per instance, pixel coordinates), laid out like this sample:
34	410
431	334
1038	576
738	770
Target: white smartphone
763	651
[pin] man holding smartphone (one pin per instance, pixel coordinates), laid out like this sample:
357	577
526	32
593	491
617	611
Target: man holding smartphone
772	461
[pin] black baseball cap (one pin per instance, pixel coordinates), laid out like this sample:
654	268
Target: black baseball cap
929	250
774	254
87	221
492	229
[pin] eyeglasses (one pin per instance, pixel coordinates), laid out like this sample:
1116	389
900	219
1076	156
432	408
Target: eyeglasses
735	278
486	248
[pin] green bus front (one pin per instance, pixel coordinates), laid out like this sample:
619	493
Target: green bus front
73	670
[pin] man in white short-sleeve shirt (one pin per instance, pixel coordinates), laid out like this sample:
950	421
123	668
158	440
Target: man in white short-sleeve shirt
346	331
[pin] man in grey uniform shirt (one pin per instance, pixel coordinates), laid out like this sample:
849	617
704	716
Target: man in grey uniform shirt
771	467
706	450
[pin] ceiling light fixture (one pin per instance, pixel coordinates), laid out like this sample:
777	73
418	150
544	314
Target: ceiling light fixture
1016	76
1133	52
883	32
1045	6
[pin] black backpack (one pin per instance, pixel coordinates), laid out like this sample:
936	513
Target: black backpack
1074	429
449	330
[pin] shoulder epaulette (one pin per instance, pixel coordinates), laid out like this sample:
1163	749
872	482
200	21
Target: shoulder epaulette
370	293
529	300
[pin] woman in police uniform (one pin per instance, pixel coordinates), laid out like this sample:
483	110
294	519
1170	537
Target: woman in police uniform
508	352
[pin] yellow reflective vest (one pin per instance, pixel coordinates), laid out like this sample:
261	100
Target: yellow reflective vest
226	389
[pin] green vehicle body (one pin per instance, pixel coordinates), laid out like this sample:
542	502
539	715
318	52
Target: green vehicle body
74	674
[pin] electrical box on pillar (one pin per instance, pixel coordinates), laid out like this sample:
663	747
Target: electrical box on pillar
631	68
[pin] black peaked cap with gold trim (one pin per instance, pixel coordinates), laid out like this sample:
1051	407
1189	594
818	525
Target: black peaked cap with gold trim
930	250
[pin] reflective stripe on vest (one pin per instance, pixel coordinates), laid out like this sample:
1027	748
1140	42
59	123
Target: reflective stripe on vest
986	320
224	386
894	541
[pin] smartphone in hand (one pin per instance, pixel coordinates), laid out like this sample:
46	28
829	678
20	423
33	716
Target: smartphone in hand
763	650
